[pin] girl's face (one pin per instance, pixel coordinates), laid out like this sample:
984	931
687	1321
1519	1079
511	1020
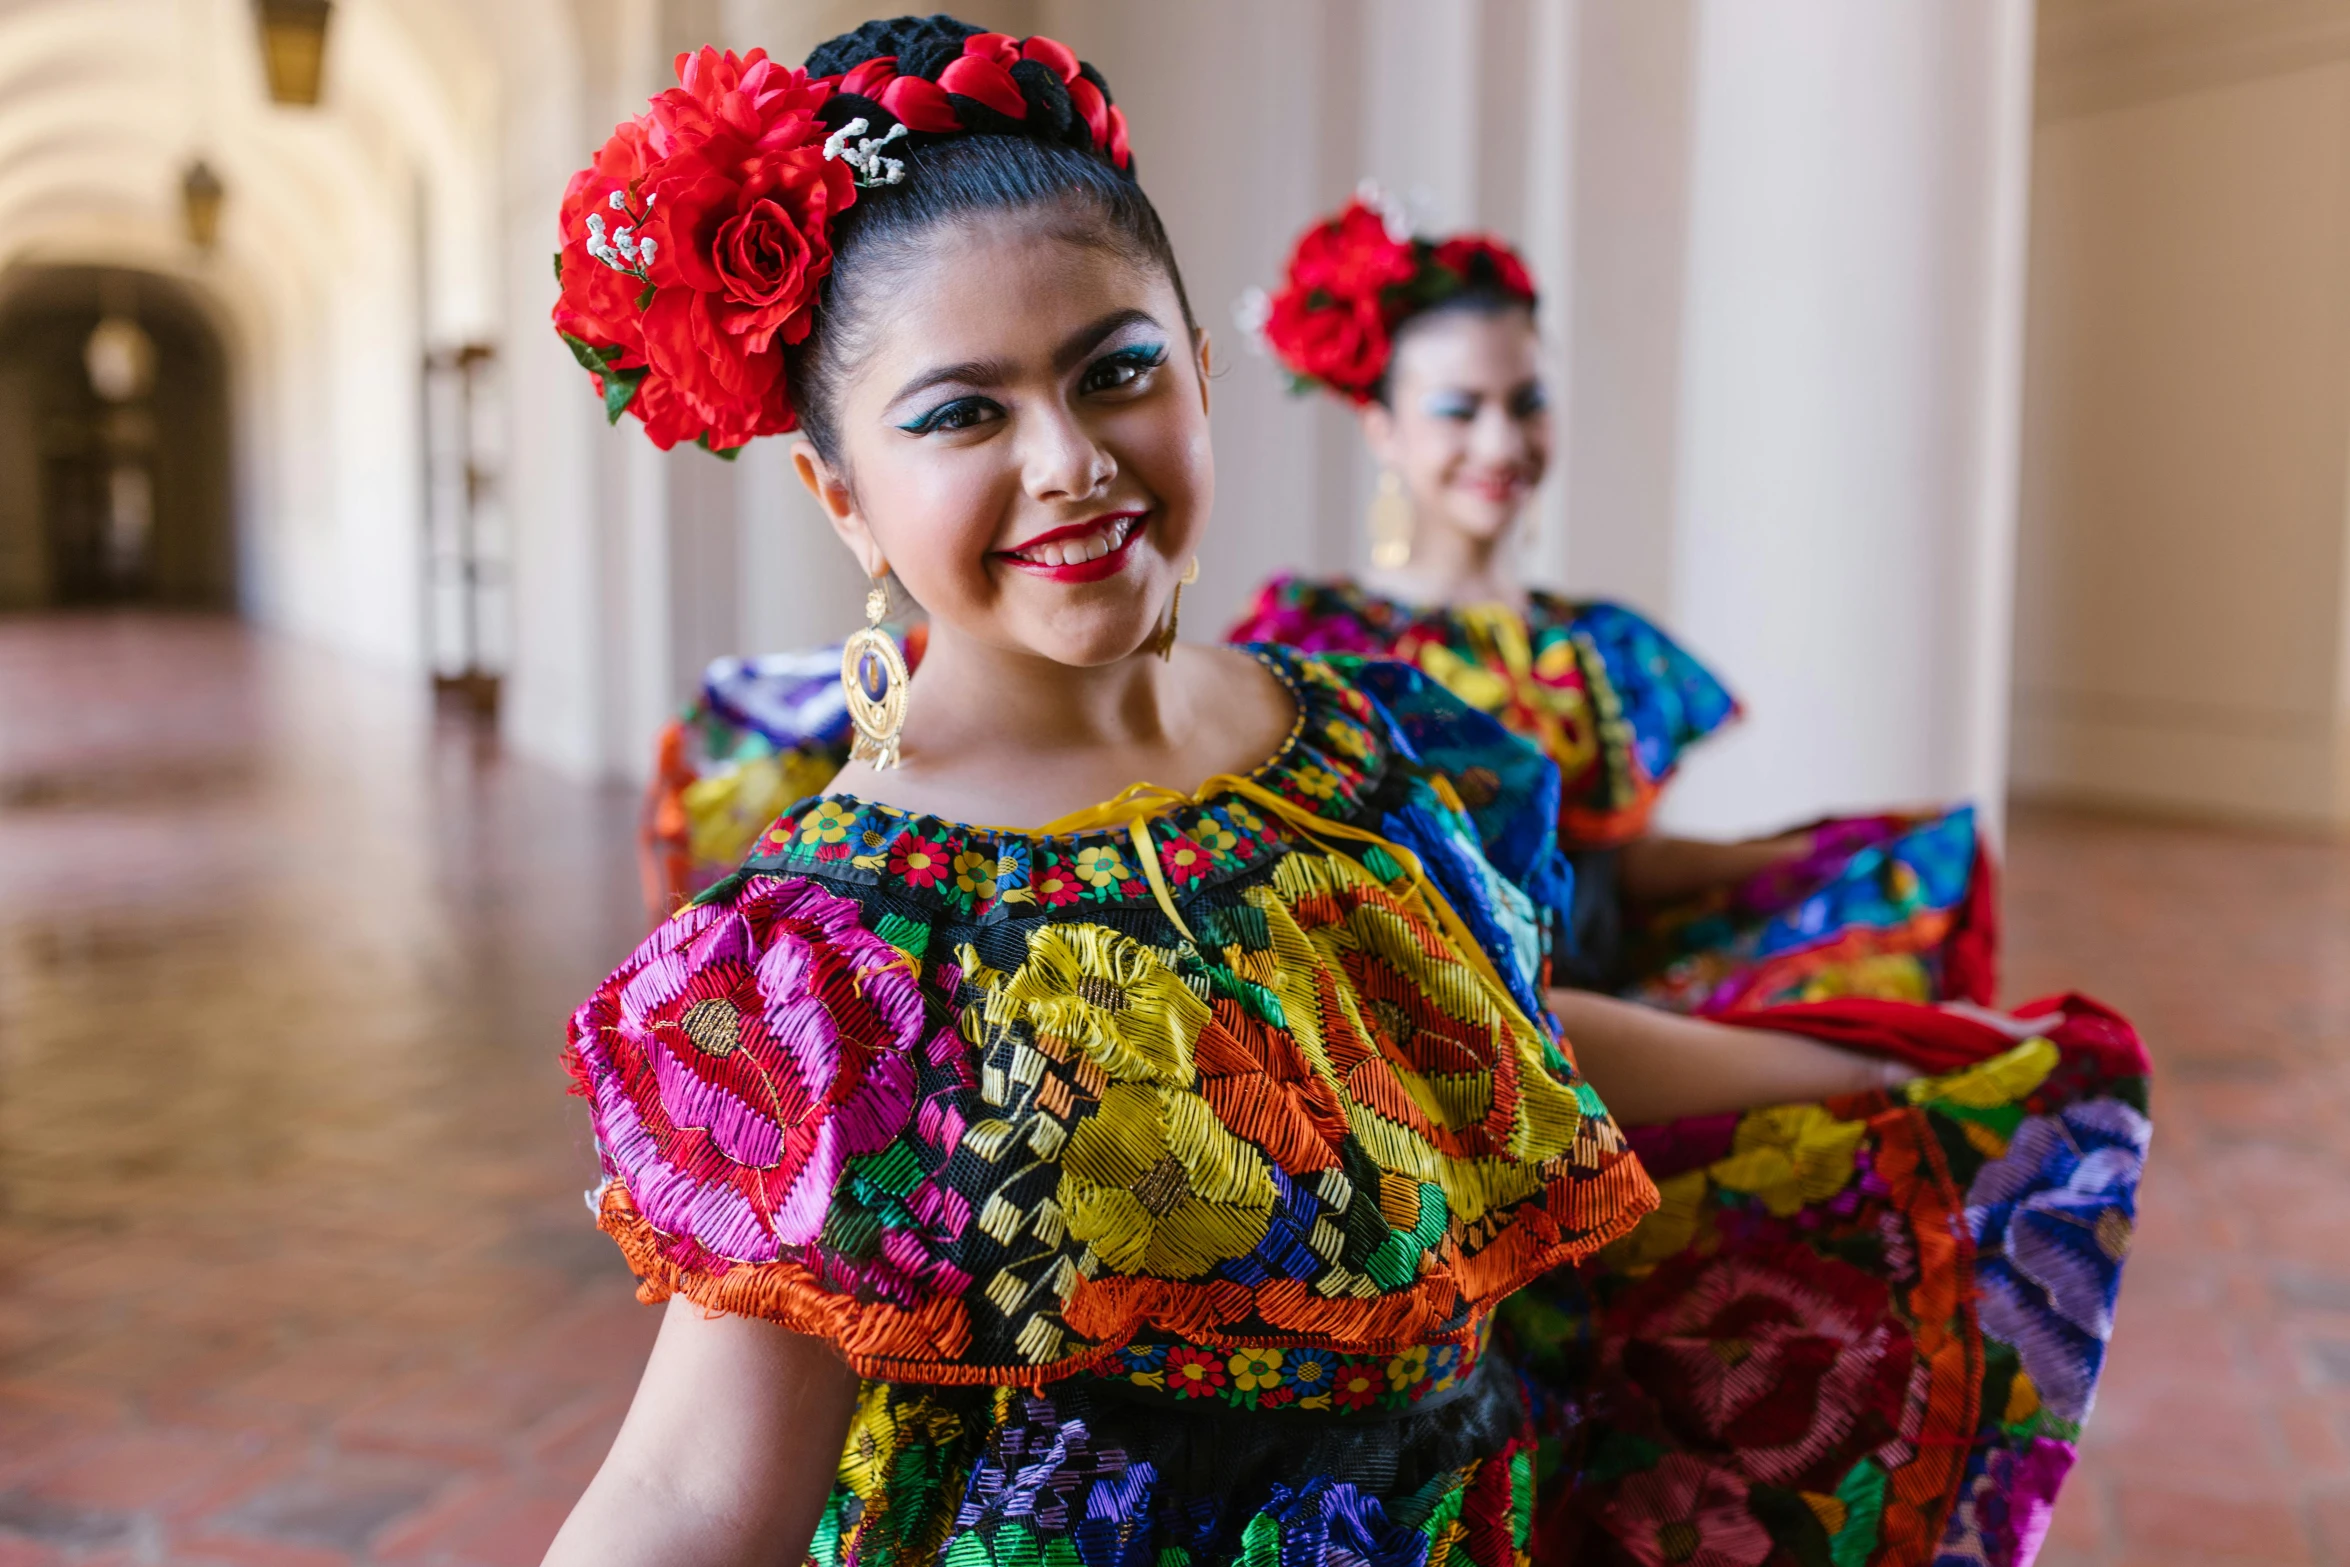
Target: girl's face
1026	443
1466	426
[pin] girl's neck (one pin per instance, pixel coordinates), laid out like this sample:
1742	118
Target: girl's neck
1018	701
1450	569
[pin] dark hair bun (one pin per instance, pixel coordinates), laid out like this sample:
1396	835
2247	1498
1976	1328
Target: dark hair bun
922	45
1033	88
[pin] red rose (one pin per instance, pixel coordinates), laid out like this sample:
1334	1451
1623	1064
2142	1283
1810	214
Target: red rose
1352	256
1342	343
1330	321
1465	254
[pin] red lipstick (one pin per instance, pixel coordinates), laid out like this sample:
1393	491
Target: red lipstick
1125	528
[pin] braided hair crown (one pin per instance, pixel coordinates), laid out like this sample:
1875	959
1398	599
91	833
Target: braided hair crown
940	76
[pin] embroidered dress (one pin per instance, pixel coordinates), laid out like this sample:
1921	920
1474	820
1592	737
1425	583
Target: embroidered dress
1216	1208
1892	906
1161	1173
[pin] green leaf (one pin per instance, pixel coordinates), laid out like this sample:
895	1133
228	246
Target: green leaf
645	298
1863	1494
592	359
725	454
620	389
558	269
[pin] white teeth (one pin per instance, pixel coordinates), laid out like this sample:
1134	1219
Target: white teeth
1092	546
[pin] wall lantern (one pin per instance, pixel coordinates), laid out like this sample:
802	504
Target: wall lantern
201	194
293	47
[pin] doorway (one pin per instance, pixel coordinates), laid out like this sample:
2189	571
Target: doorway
114	444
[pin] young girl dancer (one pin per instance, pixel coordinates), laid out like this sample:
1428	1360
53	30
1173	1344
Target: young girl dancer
1187	1170
1434	343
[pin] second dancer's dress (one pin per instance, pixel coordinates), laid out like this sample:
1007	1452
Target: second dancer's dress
1893	906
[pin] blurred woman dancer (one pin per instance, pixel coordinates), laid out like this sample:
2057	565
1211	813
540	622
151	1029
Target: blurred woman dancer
1195	1176
1434	343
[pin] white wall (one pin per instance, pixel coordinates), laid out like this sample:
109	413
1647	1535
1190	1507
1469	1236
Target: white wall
1848	382
2181	617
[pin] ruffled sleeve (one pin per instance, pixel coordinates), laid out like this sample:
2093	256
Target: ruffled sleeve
1508	792
1655	699
754	1073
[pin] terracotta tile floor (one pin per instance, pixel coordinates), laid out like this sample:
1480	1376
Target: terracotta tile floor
293	1267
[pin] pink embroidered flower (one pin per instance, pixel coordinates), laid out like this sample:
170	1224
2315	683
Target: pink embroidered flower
1686	1513
737	1062
1796	1362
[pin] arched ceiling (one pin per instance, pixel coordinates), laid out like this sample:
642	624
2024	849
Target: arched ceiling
104	102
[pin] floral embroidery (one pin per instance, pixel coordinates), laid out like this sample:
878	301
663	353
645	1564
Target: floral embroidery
1256	1370
1212	835
1193	1373
1278	1378
1055	885
827	822
975	873
918	862
1101	867
1184	860
1317	782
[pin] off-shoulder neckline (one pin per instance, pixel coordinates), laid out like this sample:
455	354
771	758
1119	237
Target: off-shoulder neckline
1331	762
1272	767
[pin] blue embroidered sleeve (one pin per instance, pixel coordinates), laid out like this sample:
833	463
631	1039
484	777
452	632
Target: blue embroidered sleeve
1511	885
1668	698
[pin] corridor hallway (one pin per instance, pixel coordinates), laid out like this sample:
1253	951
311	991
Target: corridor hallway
293	1266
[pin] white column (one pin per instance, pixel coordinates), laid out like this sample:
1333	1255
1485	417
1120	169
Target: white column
1849	388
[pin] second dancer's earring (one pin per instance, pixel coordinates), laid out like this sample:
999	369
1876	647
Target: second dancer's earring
1391	523
873	675
1164	643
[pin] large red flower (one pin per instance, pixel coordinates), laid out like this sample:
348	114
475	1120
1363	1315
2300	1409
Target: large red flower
726	181
1342	344
1330	321
1792	1363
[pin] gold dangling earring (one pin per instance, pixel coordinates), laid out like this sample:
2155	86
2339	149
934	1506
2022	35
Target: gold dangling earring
877	715
1391	523
1164	643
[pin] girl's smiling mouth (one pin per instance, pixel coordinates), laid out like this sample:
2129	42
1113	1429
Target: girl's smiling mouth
1082	552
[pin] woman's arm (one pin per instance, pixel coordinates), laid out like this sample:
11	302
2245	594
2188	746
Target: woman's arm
1655	1066
1666	870
727	1454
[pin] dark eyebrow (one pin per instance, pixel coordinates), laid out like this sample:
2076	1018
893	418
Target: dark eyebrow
1091	336
994	372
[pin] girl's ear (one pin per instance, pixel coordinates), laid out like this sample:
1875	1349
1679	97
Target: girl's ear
832	492
1203	354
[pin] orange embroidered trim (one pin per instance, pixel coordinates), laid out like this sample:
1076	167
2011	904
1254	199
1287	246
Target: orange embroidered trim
894	1344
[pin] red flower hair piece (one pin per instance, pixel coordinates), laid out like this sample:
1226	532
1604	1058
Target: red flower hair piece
696	244
1355	277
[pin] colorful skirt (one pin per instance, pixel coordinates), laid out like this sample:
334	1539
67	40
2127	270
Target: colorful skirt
1859	1332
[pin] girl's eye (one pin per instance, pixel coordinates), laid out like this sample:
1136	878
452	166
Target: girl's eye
1451	405
1123	368
961	414
1529	401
